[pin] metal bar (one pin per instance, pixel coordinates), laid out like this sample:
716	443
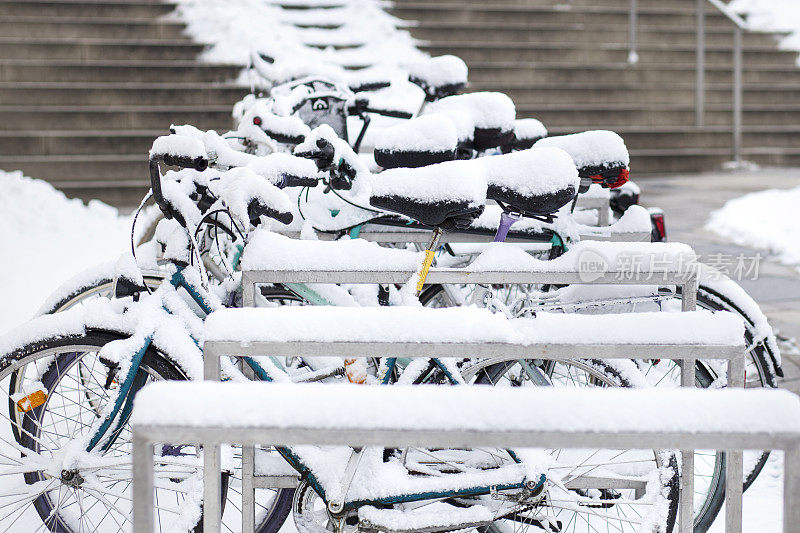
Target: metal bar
700	76
496	350
791	489
142	482
212	488
211	365
725	10
248	291
633	56
248	472
737	94
686	501
248	490
422	237
465	276
280	435
734	467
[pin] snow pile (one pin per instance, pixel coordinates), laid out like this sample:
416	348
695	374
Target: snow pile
428	133
773	16
46	239
381	325
487	110
359	32
452	181
535	171
762	220
598	148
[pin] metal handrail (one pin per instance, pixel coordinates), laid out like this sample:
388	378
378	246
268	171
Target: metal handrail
740	26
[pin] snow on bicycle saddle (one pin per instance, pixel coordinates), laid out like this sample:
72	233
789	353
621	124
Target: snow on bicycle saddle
600	155
449	195
421	141
492	116
536	181
439	76
526	132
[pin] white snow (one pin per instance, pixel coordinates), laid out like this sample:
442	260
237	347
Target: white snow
428	133
469	324
439	71
233	29
529	128
535	171
765	220
591	148
178	145
270	251
457	181
773	16
485	109
346	406
47	239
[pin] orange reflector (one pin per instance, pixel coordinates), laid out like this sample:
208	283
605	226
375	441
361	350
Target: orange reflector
31	401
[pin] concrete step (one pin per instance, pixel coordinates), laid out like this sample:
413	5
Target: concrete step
104	94
86	8
97	28
613	116
667	162
502	13
611	93
27	118
443	32
77	142
98	49
501	72
58	168
605	52
111	71
567	5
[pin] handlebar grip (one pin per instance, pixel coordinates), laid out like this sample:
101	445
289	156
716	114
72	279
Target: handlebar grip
370	86
394	113
197	163
289	180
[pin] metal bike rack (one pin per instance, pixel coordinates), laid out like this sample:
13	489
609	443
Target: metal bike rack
691	432
686	278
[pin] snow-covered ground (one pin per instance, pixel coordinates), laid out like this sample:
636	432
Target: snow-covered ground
764	220
46	239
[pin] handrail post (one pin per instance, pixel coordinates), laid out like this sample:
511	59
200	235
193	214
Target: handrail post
700	75
737	95
633	56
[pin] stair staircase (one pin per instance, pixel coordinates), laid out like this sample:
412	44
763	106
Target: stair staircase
86	85
565	63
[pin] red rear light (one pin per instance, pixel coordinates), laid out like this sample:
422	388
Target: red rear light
659	226
622	179
257	121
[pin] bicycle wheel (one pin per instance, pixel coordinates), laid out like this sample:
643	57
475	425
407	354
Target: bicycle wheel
620	505
91	491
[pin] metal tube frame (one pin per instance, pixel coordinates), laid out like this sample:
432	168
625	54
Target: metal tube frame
212	438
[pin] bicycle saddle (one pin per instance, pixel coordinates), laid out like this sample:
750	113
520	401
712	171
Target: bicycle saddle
492	115
439	76
448	195
421	141
526	132
600	155
536	181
